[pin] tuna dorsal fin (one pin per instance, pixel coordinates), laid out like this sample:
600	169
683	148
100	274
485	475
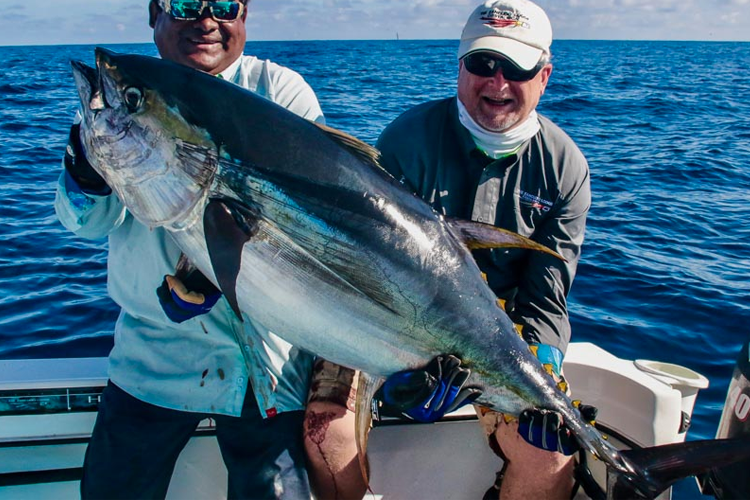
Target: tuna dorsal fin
360	149
228	225
478	235
668	463
366	388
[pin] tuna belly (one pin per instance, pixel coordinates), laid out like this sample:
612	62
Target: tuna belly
299	299
314	314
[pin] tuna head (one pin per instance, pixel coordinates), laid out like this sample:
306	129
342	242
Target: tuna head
141	144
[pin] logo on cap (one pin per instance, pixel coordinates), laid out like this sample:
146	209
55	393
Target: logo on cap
504	19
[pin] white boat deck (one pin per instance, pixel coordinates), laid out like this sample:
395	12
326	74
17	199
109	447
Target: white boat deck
47	411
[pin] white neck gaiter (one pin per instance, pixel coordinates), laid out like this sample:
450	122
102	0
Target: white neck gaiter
498	144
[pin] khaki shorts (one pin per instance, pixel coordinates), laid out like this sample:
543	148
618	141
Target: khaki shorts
489	420
334	384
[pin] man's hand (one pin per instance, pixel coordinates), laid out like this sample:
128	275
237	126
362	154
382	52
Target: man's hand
427	395
79	168
183	301
546	429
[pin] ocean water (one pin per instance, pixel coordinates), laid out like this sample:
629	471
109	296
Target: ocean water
665	272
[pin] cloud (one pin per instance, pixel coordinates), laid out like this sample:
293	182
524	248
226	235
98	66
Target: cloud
645	19
115	21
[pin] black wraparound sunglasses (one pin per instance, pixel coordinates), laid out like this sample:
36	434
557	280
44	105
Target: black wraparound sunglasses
487	65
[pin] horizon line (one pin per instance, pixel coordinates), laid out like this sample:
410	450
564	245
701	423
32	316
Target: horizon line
51	44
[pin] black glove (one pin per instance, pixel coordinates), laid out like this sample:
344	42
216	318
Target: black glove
79	169
546	429
427	395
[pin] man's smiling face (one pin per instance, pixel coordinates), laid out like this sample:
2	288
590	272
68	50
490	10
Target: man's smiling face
498	104
204	44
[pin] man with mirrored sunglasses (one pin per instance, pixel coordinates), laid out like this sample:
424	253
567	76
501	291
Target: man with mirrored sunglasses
487	155
180	354
222	11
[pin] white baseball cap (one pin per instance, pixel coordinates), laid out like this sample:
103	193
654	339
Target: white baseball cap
516	29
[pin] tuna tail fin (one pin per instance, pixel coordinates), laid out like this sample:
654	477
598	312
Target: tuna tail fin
478	235
666	464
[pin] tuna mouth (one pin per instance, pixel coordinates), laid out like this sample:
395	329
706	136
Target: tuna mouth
87	82
89	74
90	86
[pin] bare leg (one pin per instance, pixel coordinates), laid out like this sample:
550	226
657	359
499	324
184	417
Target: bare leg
530	473
331	449
329	434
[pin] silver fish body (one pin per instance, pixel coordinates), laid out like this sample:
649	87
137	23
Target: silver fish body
304	233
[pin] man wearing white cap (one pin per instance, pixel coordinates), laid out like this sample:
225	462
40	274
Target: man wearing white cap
487	155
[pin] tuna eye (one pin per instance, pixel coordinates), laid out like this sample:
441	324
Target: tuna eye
133	98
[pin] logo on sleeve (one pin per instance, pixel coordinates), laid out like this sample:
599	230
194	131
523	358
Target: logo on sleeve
534	201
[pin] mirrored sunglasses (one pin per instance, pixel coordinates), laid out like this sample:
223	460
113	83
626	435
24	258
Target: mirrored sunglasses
487	65
190	10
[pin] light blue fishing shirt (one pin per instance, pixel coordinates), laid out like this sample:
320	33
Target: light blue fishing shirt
203	364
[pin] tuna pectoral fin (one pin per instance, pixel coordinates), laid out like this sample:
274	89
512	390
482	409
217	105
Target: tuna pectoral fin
666	464
366	388
228	225
477	235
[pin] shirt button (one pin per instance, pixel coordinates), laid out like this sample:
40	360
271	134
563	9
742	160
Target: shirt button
246	348
241	380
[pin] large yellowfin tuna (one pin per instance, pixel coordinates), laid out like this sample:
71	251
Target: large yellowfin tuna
303	231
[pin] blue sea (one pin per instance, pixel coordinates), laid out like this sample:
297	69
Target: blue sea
665	272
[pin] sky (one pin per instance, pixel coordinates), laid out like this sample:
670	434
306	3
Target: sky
57	22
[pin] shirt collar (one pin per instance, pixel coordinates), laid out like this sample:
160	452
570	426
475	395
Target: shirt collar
230	72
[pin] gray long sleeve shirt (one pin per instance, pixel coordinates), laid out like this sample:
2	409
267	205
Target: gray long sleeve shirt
541	192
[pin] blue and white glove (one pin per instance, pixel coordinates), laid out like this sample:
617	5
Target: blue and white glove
427	395
183	300
546	429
